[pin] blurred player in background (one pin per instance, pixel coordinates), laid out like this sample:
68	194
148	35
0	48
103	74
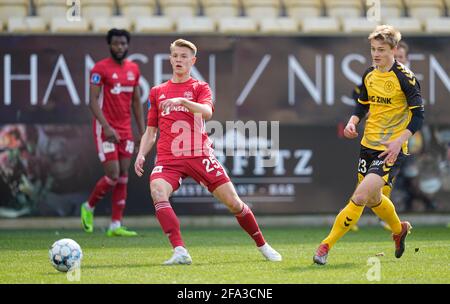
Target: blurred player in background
179	108
114	91
407	177
391	95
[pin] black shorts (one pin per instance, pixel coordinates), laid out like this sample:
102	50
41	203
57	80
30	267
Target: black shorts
370	163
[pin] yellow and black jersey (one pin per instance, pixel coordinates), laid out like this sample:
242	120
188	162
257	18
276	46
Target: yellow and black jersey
391	96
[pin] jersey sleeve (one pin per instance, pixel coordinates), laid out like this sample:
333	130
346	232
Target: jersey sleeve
152	115
411	88
356	92
363	96
138	76
204	95
97	76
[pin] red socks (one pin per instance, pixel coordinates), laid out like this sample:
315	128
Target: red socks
248	222
119	197
171	226
169	223
104	185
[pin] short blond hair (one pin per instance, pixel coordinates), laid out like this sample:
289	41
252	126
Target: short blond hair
386	33
184	43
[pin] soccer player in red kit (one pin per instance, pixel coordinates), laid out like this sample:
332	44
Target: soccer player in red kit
178	109
114	91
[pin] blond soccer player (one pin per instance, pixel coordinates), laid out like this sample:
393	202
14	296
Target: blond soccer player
391	96
178	109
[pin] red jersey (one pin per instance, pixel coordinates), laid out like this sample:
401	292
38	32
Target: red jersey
118	82
181	135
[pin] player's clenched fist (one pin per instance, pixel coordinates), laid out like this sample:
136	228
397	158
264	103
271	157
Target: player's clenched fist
139	165
350	130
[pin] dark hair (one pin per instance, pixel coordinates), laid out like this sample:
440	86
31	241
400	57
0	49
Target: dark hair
117	32
403	45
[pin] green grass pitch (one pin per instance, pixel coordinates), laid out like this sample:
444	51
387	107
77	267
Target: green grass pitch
229	256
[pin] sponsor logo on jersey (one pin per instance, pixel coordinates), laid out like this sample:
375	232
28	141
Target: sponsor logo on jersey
380	99
95	78
174	109
114	76
118	88
162	96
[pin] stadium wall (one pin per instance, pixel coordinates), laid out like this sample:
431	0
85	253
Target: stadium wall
47	156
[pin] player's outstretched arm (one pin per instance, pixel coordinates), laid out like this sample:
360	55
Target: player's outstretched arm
147	142
137	110
109	132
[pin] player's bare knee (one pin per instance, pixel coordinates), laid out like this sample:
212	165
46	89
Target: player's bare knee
371	204
235	205
236	208
158	197
158	194
373	201
360	198
113	175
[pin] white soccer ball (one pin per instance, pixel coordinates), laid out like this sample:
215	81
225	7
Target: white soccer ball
65	255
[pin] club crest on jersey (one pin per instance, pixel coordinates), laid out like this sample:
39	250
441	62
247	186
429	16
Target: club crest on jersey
95	78
130	76
388	86
188	95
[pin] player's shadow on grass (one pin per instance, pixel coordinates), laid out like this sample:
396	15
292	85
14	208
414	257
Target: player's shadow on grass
119	266
195	264
327	267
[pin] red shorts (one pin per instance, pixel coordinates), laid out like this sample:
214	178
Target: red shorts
108	151
207	171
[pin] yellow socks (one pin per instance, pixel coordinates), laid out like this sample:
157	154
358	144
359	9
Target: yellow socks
386	190
348	217
386	211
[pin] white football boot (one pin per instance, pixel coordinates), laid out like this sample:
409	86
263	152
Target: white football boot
269	253
180	256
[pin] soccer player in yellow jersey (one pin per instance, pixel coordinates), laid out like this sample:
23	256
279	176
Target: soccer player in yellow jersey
391	96
401	55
